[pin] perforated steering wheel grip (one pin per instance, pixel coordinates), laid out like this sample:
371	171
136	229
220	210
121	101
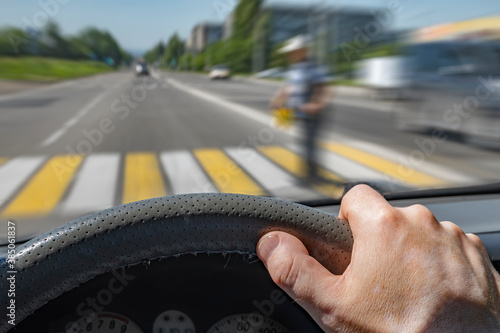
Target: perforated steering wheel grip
67	256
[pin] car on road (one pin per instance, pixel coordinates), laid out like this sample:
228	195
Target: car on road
141	68
453	86
219	72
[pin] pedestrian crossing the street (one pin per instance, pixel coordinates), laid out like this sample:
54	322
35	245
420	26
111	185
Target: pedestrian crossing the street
73	185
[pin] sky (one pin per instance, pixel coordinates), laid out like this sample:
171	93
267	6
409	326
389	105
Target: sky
140	24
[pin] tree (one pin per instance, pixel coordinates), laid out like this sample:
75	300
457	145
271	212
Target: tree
156	53
245	16
278	59
14	42
199	62
103	46
52	43
240	48
185	61
174	51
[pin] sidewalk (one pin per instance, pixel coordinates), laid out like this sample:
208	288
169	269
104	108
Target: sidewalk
10	87
339	90
344	95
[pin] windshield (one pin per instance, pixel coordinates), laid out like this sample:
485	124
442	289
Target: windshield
105	103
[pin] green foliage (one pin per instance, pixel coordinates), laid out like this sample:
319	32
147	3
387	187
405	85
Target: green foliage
198	63
50	42
217	53
345	60
185	62
102	45
168	55
174	51
245	15
236	52
13	42
155	54
47	69
383	50
278	59
239	55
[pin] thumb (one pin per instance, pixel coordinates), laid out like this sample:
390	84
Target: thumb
301	276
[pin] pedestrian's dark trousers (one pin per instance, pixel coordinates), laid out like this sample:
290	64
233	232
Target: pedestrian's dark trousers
311	125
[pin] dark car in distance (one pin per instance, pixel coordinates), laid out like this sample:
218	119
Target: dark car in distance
141	69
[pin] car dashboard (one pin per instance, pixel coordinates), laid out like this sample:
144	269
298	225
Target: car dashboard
214	293
185	294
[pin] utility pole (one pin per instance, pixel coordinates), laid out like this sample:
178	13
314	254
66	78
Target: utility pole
336	34
318	31
258	49
323	38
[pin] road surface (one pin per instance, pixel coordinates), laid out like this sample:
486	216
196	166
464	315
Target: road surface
84	145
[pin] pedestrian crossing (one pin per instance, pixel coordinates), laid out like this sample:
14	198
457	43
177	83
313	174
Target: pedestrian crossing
384	166
35	186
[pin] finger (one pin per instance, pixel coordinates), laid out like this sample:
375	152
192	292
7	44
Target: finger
292	268
368	212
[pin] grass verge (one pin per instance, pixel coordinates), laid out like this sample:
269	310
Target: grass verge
48	69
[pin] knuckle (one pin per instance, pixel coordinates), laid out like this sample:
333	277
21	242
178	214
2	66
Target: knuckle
476	241
453	229
354	192
290	274
387	217
287	272
422	212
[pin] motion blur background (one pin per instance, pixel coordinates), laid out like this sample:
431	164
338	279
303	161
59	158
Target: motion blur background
107	102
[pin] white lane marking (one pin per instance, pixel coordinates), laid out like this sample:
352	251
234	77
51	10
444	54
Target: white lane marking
71	122
276	181
238	108
95	184
14	172
185	174
346	168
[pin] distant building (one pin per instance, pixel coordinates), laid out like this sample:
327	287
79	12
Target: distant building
203	35
329	27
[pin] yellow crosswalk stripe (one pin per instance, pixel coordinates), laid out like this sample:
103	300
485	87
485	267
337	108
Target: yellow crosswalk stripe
393	169
226	175
44	191
295	164
142	178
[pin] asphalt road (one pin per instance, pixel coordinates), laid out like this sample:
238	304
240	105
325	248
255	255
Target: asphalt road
84	145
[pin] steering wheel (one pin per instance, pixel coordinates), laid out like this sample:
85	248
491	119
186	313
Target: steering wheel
62	259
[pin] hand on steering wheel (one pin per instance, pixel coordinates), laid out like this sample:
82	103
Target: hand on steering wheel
408	272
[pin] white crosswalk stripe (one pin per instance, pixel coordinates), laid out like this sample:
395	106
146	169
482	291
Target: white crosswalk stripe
14	173
185	174
95	184
276	181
